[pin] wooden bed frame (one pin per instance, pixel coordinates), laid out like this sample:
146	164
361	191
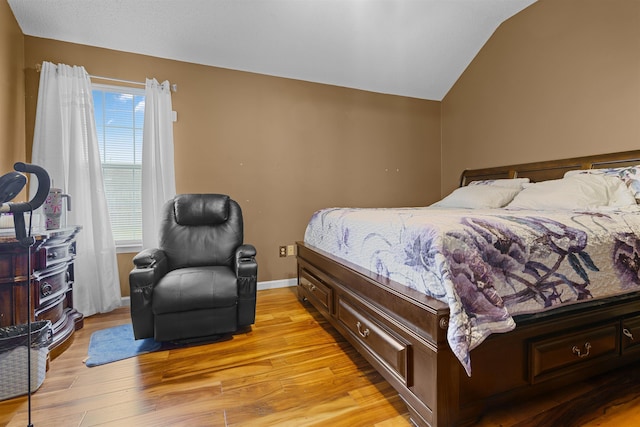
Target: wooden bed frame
403	333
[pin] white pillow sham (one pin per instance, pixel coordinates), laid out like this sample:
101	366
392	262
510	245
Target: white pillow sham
630	175
478	197
506	182
580	191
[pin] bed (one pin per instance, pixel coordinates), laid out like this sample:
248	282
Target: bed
489	304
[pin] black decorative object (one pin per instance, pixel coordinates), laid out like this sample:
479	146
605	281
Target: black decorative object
10	185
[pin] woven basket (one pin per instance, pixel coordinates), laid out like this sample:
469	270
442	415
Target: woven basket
13	357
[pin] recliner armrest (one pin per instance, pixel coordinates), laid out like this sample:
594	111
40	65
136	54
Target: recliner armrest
246	270
246	265
148	258
150	266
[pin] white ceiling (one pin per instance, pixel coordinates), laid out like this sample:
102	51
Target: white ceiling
415	48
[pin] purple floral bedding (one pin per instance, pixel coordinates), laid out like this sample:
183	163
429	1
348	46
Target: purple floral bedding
489	265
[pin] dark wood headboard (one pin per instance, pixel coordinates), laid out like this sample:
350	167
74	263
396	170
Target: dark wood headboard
553	169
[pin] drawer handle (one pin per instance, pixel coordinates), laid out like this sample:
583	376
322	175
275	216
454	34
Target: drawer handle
46	289
628	333
311	287
362	333
578	352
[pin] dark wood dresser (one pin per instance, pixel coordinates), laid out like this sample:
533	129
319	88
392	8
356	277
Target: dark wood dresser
52	279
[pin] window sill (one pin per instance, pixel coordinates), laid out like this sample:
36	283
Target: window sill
128	247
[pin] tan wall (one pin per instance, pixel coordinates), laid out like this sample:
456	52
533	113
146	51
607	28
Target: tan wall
125	264
12	116
282	148
560	79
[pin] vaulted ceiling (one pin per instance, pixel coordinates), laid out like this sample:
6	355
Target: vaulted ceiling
415	48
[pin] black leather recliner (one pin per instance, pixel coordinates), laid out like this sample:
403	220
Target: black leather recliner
201	281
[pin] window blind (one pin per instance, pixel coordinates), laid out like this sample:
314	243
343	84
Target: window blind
119	115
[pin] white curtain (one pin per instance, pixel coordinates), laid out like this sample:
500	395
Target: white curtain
65	143
158	174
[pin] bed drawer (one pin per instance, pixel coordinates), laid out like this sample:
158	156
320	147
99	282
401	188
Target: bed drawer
389	349
557	355
316	291
631	334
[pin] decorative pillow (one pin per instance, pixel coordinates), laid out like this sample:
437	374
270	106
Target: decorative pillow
507	182
579	191
478	196
630	175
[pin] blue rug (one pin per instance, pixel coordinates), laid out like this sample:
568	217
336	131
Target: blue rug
117	343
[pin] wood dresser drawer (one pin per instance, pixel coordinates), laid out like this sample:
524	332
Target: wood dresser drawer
389	349
316	291
631	334
54	312
54	254
50	284
557	355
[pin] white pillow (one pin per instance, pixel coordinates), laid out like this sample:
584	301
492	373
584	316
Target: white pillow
622	195
581	191
630	175
478	196
507	182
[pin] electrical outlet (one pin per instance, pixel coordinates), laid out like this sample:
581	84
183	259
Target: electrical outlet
283	251
291	250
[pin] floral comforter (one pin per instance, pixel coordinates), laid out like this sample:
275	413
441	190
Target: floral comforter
489	265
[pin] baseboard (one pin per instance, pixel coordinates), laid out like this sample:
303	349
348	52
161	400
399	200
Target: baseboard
271	284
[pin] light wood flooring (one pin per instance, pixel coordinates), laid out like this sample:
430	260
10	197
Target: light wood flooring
290	369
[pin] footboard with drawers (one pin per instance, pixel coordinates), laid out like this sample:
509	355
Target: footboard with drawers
403	335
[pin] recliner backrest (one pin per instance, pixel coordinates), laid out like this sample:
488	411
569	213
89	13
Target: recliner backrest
201	229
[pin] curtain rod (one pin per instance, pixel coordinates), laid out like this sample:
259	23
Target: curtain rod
174	87
111	79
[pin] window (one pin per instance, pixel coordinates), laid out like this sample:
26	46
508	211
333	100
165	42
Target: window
119	115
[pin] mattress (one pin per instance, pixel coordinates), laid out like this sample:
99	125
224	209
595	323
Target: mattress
489	265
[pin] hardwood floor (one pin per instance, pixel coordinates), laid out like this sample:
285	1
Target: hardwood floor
291	369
